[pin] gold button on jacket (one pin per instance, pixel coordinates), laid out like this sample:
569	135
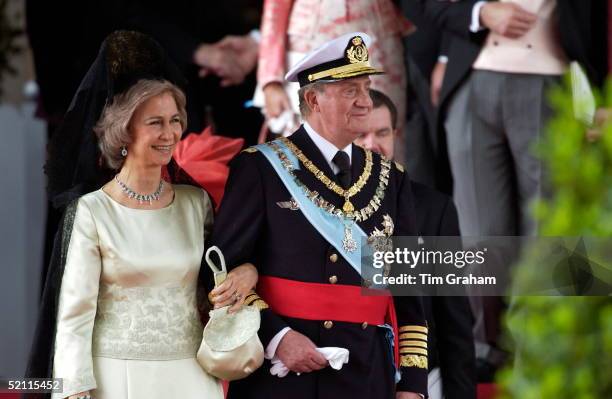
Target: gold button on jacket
328	324
333	257
333	280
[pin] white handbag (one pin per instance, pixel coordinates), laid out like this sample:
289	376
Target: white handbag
230	348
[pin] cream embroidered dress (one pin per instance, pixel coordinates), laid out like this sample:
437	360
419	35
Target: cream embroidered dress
127	324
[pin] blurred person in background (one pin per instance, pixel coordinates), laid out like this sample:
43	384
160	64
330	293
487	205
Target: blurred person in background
452	363
426	158
501	59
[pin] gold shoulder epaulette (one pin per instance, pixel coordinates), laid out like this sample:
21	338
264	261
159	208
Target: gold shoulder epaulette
250	150
399	166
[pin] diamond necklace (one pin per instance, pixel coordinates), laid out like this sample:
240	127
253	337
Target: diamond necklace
141	197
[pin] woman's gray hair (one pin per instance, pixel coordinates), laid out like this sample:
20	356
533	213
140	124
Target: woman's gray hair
304	108
112	128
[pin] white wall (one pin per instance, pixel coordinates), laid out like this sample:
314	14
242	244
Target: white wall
22	216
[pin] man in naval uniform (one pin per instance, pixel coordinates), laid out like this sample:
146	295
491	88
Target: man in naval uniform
297	208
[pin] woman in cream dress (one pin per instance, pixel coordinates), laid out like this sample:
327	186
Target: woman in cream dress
127	319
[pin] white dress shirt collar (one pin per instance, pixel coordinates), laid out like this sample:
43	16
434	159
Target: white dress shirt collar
328	149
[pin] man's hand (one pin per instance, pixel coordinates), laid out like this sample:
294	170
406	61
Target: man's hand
407	395
507	19
231	58
299	353
245	50
276	99
213	60
437	77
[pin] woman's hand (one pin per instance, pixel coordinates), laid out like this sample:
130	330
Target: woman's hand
276	99
239	282
85	394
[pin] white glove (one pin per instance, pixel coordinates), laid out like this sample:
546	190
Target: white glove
336	357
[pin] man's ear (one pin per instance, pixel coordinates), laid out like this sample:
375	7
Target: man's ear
311	98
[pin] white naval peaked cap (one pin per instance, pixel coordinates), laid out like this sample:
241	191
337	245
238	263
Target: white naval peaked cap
341	58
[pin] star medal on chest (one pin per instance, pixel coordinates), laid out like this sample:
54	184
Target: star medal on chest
348	242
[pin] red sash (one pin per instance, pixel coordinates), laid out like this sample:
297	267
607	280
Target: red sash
313	301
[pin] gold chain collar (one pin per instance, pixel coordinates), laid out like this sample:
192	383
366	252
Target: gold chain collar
359	215
329	183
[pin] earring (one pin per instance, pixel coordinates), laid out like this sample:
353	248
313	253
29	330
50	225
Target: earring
123	151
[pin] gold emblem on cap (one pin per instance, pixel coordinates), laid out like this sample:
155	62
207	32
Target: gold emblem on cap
357	52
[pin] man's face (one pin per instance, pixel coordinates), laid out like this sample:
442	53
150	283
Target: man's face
379	134
345	107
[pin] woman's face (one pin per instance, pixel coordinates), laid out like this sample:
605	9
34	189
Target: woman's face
155	129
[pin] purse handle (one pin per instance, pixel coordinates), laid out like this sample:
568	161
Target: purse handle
218	274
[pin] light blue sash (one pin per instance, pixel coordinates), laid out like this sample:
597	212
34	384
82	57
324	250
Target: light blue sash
331	227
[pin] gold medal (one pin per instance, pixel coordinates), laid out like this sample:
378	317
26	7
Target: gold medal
348	207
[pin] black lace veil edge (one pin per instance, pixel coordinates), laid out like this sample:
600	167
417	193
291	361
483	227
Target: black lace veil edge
40	362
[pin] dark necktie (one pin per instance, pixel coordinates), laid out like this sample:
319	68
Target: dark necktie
341	160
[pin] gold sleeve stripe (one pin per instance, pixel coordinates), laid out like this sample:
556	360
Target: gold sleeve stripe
413	361
413	336
259	304
413	343
251	296
250	150
420	351
419	329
